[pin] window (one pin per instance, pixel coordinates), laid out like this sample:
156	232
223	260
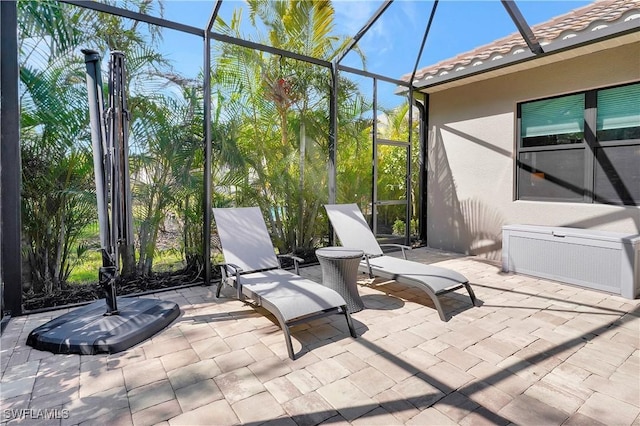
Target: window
553	121
583	147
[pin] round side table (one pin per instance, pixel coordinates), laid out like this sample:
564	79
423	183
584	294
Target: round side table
340	271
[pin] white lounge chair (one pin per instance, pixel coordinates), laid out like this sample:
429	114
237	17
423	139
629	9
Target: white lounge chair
354	232
252	267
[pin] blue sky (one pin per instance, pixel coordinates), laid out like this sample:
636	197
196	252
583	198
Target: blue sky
392	44
458	26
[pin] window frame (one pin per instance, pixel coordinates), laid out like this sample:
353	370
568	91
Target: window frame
589	145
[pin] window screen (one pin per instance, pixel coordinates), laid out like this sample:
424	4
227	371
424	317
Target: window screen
617	175
552	175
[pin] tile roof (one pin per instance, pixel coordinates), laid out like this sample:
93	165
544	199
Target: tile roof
593	17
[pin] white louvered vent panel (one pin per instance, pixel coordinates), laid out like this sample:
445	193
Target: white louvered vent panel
598	267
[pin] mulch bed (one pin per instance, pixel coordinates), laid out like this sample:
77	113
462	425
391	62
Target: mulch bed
81	293
73	294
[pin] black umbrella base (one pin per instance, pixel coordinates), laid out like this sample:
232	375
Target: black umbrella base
88	331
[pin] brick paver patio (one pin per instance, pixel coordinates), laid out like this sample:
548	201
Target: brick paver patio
536	352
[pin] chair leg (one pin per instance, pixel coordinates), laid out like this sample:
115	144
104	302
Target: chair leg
438	305
352	330
371	276
472	295
287	334
287	338
436	302
218	289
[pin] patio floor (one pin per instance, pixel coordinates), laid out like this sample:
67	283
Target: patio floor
536	352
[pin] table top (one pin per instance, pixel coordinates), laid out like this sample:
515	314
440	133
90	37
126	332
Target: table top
339	253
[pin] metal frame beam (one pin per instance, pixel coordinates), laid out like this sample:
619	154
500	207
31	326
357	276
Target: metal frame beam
113	10
423	164
524	28
333	142
424	41
10	164
214	14
333	133
269	49
374	159
372	75
207	190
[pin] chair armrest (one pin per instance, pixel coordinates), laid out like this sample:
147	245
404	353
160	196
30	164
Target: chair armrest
296	261
366	258
231	269
400	246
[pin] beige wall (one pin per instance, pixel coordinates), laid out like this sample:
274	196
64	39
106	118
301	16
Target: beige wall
471	155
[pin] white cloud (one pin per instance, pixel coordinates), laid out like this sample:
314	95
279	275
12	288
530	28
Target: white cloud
351	15
414	11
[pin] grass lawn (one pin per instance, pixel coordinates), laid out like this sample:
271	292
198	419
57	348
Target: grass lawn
86	270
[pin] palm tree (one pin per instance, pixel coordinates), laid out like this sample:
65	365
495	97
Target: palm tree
354	172
168	170
58	183
57	201
281	97
306	28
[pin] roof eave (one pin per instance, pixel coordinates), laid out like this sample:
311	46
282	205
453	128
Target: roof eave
553	48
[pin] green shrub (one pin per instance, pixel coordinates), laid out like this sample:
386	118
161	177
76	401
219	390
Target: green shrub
399	227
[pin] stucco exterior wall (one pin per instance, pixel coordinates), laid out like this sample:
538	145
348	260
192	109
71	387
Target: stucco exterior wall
471	183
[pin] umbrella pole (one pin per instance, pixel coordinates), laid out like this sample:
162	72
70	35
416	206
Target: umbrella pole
93	330
102	166
119	136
